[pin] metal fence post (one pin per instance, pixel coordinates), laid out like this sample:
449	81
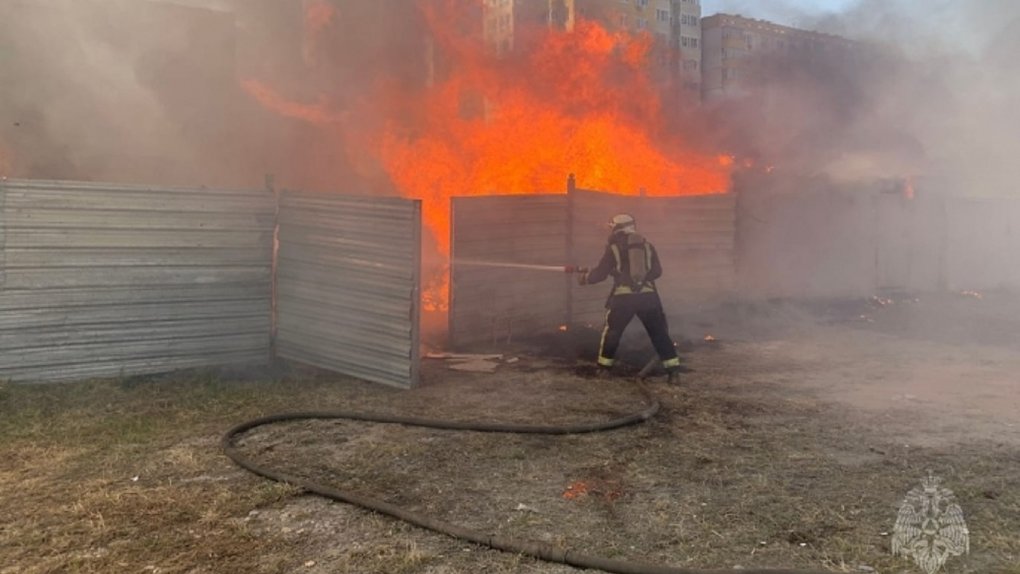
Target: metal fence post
571	255
270	183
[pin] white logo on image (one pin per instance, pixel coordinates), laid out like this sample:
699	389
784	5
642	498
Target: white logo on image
930	526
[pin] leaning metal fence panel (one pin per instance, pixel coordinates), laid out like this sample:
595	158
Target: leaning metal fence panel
102	280
348	285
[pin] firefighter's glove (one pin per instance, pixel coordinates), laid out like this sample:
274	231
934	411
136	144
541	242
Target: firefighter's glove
582	276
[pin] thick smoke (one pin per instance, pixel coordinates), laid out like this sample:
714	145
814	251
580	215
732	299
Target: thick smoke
929	94
146	91
154	92
957	84
117	90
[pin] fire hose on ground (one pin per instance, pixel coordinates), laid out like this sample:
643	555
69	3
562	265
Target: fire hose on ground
532	548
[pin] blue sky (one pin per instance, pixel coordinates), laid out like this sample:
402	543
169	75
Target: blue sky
780	11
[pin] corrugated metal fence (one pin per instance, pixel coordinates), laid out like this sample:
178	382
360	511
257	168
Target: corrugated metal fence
106	280
348	284
807	243
983	243
694	236
822	240
492	303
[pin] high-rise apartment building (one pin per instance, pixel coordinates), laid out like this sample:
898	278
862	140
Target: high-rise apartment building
739	54
498	25
688	41
555	14
675	26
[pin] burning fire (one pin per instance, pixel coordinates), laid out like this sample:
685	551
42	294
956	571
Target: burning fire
607	490
909	191
576	489
578	101
565	102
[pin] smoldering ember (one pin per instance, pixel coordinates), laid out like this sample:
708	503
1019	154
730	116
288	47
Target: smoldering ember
546	286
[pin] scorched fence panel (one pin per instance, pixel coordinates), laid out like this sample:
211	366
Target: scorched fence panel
101	280
348	285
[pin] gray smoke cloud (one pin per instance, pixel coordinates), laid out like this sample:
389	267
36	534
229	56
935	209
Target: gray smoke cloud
119	90
149	91
933	97
958	84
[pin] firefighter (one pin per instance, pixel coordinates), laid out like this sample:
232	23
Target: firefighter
634	265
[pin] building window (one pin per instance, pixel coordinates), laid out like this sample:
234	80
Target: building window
642	3
642	23
685	41
662	15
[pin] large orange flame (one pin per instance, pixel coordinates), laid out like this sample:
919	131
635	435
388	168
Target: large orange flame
564	102
573	102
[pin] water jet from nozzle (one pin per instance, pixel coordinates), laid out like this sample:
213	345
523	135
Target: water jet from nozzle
509	265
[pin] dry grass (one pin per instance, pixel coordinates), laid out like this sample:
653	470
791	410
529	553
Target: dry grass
741	467
112	476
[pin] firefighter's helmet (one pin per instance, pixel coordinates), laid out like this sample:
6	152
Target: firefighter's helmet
623	223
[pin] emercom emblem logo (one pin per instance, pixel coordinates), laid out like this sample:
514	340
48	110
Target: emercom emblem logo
930	526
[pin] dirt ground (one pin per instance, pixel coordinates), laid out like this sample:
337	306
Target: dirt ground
791	442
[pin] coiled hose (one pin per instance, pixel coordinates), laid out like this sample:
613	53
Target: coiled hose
533	548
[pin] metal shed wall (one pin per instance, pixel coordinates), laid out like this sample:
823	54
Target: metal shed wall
348	284
111	280
490	303
693	235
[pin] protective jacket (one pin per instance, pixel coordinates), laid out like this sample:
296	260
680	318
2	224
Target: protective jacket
634	266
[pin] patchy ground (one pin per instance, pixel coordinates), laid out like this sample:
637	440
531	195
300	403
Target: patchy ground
790	444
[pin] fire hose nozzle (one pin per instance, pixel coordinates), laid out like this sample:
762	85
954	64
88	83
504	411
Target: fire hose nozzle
574	269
